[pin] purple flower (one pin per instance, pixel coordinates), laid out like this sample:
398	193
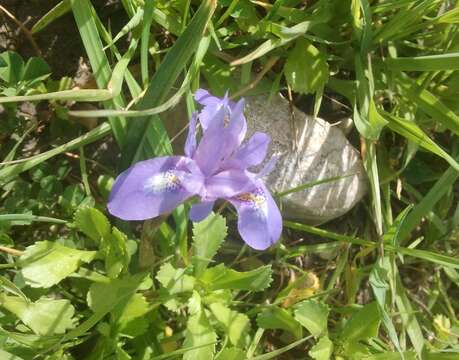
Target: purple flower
216	168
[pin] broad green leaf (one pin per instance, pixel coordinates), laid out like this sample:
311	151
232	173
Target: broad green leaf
306	70
363	324
46	263
45	316
236	325
313	315
92	223
322	350
208	236
175	280
131	319
220	277
199	332
5	355
114	247
35	68
278	318
12	67
232	353
103	296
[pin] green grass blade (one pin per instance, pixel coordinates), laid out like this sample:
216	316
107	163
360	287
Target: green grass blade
82	12
30	217
429	103
428	202
412	132
145	40
442	62
419	254
55	13
137	146
76	95
10	171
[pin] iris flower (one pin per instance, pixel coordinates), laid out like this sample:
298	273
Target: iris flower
216	168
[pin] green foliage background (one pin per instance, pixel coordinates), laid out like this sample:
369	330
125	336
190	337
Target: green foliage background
380	283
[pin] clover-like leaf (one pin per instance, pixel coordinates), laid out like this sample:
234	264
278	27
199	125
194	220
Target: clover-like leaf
175	280
322	350
235	324
313	316
46	263
200	334
306	70
92	223
220	277
45	316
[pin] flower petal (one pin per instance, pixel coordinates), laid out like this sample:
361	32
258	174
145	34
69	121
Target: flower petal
149	188
251	153
235	129
190	144
269	166
227	183
200	211
259	218
210	150
212	105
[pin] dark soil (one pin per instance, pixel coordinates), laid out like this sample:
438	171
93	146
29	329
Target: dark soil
59	42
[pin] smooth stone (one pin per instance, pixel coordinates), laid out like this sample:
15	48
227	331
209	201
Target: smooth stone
320	152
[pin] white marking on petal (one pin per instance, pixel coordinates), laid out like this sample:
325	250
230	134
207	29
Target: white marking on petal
163	182
256	200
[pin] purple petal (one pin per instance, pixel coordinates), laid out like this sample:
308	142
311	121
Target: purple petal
251	153
235	129
200	211
149	188
221	139
259	218
269	166
203	97
227	183
210	150
190	144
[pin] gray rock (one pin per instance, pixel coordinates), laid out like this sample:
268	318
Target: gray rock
320	152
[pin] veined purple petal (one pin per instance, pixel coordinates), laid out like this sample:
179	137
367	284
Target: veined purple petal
269	166
200	211
149	188
259	218
211	148
190	144
212	105
251	153
235	128
227	183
